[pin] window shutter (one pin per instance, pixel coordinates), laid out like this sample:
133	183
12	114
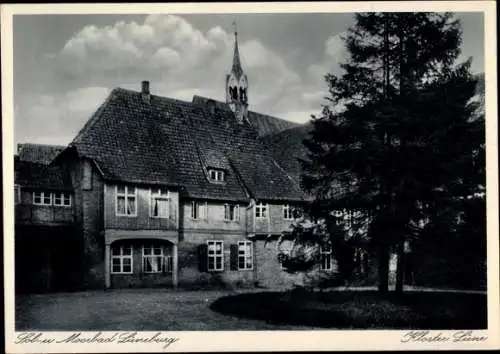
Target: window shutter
202	257
233	257
237	212
205	211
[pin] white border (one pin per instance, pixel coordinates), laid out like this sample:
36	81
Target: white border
265	340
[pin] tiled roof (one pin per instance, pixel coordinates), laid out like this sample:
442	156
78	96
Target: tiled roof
171	142
38	153
41	176
263	123
287	148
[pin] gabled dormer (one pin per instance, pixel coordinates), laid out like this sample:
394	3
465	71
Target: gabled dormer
216	175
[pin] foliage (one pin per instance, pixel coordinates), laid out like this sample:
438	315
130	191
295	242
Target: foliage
398	137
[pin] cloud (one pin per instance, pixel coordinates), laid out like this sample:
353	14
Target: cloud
56	118
179	60
165	43
335	53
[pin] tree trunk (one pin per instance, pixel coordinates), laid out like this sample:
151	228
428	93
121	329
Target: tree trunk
383	269
400	270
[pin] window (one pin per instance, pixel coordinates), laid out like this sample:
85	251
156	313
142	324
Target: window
231	212
17	194
42	198
287	212
152	259
245	255
215	256
327	261
121	259
169	264
261	211
159	203
216	175
199	210
126	201
62	199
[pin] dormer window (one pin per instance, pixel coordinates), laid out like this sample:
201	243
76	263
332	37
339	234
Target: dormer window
216	175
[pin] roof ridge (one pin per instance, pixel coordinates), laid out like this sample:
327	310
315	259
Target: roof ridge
284	131
250	111
286	173
153	95
196	145
214	145
38	144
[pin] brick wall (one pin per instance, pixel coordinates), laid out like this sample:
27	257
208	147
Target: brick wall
275	223
139	278
88	206
189	262
143	220
215	218
27	212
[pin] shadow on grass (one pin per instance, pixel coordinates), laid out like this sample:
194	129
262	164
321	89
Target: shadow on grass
360	309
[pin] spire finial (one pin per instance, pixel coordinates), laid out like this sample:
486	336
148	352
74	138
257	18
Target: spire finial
237	70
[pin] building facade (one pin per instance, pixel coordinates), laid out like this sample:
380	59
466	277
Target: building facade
161	192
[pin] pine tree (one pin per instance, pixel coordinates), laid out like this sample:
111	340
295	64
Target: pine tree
396	138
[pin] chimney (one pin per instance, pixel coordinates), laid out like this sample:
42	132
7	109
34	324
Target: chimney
146	96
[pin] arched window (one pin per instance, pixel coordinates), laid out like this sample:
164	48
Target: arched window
243	94
235	93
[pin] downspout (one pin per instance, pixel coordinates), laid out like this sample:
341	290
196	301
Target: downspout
251	205
268	220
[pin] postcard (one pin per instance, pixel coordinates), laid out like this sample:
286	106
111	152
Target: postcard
250	176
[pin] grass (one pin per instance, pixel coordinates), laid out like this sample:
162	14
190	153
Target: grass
360	309
131	310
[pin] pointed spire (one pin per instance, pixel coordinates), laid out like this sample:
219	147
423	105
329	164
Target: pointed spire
236	69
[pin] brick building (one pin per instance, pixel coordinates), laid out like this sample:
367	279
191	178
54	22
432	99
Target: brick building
161	192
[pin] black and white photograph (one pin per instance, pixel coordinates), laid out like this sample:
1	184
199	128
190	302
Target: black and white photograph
275	172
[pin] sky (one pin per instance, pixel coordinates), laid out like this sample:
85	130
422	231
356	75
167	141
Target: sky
66	65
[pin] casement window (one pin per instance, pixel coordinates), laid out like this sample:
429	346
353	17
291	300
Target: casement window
126	201
216	175
245	255
153	260
287	212
62	199
215	256
42	198
327	261
17	194
169	263
159	203
199	210
121	259
261	211
231	212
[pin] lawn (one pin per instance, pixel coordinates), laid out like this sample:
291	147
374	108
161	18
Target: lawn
360	309
130	310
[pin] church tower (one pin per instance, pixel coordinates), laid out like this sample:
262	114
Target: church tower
237	85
